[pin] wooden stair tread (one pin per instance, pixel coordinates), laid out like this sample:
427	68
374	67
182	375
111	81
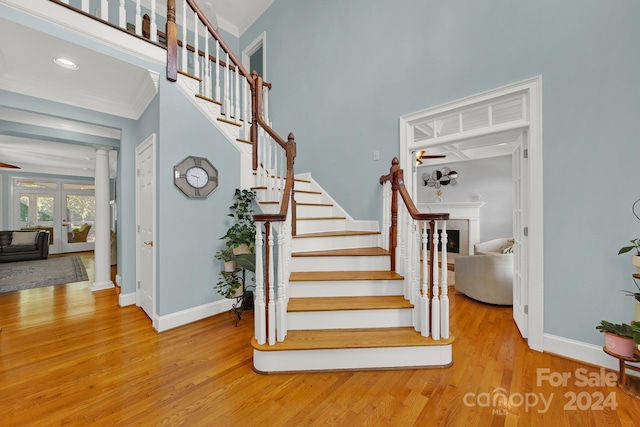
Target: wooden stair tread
306	191
326	276
344	252
348	303
336	233
352	338
313	204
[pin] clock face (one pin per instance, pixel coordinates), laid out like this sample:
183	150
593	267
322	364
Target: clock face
197	177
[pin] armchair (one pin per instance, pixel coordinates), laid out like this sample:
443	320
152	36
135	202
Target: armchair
487	276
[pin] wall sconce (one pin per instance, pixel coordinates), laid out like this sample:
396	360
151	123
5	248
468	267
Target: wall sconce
437	178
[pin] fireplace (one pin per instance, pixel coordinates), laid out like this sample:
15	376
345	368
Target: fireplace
464	218
453	241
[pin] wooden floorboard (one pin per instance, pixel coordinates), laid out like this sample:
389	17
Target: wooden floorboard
69	356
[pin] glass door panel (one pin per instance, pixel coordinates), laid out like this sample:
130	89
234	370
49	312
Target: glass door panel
78	224
37	213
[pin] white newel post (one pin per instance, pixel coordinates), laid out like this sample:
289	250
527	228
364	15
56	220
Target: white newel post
386	214
102	248
281	308
444	298
259	305
435	300
271	307
424	298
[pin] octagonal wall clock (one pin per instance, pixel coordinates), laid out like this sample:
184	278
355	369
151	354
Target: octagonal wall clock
195	177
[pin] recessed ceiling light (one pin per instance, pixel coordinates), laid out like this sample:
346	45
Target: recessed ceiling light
65	63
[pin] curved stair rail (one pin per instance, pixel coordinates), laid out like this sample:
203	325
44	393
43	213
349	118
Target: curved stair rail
411	235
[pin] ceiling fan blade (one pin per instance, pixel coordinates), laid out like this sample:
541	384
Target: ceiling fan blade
8	166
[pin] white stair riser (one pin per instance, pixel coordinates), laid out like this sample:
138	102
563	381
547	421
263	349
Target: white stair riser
302	185
345	319
307	197
269	208
351	288
314	211
339	263
352	358
319	226
307	244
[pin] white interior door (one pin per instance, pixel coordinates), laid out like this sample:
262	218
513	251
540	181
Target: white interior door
520	281
145	226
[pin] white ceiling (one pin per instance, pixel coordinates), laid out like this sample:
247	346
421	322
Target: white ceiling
35	74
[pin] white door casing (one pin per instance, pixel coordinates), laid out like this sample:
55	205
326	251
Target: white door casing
145	226
520	291
532	181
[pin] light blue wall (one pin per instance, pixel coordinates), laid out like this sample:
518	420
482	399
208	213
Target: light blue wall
344	72
189	230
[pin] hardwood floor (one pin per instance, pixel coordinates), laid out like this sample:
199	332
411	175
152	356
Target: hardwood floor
73	357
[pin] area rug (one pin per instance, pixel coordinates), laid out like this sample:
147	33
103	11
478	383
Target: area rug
19	275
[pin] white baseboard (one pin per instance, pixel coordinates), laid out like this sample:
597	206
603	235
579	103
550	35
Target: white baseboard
101	286
118	280
127	299
580	351
190	315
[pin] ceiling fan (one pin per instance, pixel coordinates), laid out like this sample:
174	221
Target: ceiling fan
8	166
422	155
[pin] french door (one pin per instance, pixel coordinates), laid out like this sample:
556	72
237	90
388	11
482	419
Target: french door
65	209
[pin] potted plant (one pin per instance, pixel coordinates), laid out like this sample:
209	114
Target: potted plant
229	285
226	256
618	338
636	296
241	235
635	246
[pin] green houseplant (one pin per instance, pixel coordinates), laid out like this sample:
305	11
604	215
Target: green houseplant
634	246
229	285
618	338
241	235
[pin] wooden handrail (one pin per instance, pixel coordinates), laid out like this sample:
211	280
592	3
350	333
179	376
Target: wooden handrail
396	178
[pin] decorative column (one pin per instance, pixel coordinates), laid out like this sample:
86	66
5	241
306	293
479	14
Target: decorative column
102	251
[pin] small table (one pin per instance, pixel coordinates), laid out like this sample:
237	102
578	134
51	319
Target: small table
628	384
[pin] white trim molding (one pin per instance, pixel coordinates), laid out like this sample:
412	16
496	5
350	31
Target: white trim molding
179	318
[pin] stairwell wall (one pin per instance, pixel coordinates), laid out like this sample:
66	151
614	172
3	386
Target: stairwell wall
344	72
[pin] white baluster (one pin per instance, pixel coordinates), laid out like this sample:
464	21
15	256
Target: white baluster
281	308
424	297
65	1
259	306
237	77
227	100
207	65
122	15
104	9
271	307
196	52
84	5
245	103
153	27
444	299
232	100
435	300
217	98
138	18
185	52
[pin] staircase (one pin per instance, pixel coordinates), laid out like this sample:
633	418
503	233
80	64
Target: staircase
346	309
328	296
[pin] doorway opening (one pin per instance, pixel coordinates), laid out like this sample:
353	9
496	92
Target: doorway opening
475	127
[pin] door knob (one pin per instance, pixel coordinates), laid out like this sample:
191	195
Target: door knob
149	243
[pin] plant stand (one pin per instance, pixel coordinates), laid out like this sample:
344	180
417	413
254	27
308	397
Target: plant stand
630	385
238	307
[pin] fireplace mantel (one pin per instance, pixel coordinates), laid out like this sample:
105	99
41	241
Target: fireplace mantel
459	210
